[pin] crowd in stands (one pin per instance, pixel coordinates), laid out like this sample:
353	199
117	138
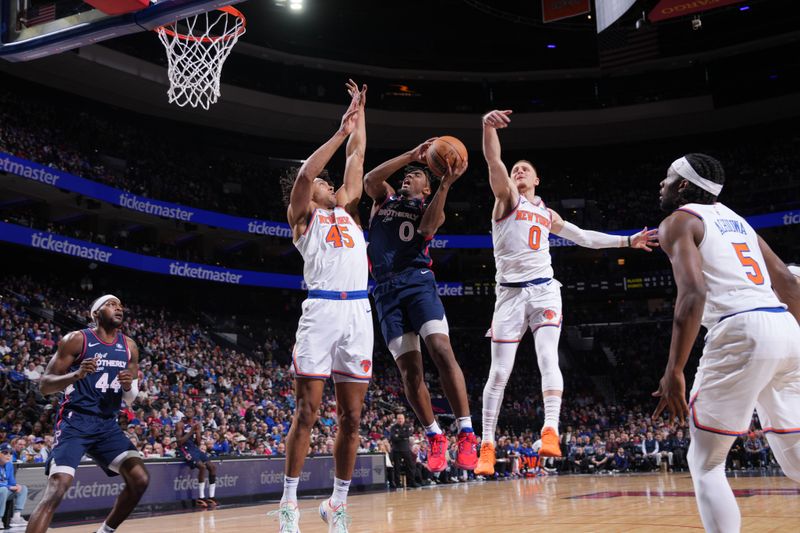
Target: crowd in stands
188	164
246	400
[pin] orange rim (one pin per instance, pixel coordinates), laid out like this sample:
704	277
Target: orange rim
226	9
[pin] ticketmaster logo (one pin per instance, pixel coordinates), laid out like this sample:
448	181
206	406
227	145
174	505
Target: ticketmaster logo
189	482
791	218
186	270
275	478
63	246
146	206
261	227
41	175
93	490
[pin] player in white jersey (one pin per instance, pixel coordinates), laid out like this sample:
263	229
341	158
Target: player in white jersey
731	282
334	336
527	294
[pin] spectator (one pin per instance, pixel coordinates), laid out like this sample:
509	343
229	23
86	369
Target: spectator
402	458
10	488
651	451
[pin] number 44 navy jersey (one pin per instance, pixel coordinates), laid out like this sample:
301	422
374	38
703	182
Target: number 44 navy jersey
98	394
394	242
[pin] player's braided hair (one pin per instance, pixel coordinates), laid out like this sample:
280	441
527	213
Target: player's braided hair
711	169
288	178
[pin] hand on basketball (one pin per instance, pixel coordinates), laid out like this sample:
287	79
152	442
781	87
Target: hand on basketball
125	378
420	153
672	394
453	174
645	240
88	366
497	119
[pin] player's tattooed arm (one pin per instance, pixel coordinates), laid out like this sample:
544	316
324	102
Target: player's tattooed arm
349	194
302	190
56	376
784	282
680	235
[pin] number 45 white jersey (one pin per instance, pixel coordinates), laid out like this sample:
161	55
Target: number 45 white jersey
733	266
522	243
334	252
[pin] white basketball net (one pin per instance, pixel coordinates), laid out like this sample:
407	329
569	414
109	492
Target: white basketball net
196	51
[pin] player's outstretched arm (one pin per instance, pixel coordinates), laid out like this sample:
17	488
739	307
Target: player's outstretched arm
644	240
56	378
300	198
502	187
433	218
680	234
375	181
784	283
349	194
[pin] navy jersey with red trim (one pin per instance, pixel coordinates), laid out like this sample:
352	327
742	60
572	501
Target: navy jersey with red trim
99	393
394	242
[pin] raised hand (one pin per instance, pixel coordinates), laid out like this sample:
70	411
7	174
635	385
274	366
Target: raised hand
420	153
88	366
497	119
645	240
453	174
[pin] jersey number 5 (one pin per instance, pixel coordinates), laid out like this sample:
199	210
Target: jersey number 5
339	237
749	263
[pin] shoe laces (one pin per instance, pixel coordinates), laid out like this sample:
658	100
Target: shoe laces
288	518
436	445
341	520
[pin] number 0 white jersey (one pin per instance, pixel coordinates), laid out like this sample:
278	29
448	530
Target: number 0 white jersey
522	242
733	266
334	252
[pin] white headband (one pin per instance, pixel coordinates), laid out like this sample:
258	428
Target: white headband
687	172
100	302
794	269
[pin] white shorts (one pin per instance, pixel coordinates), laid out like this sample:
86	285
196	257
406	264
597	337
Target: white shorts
750	360
334	337
517	309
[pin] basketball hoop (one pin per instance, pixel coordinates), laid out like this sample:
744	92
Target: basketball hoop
197	47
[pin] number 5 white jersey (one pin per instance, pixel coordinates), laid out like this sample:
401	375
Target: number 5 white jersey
334	252
733	266
521	242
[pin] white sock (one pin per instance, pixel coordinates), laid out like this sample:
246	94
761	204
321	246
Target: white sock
201	487
464	424
17	514
340	489
212	489
503	354
105	529
290	489
433	429
552	410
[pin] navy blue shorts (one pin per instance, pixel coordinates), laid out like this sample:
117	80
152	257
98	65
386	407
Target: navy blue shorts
192	454
407	301
101	439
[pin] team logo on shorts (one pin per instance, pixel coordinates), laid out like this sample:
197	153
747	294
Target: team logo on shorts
549	314
365	365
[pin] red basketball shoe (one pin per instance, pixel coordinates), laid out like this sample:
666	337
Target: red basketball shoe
437	452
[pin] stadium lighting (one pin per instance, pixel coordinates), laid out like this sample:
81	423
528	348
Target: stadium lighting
551	46
296	5
744	8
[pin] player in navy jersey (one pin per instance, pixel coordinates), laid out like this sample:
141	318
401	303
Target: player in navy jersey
188	433
96	368
402	225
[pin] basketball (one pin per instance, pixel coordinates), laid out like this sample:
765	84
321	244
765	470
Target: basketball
444	151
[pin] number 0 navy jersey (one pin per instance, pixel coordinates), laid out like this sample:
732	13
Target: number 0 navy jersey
98	394
394	242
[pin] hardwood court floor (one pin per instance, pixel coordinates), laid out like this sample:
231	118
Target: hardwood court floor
574	504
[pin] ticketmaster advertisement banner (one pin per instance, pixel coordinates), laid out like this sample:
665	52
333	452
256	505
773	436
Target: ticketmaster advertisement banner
174	482
92	189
